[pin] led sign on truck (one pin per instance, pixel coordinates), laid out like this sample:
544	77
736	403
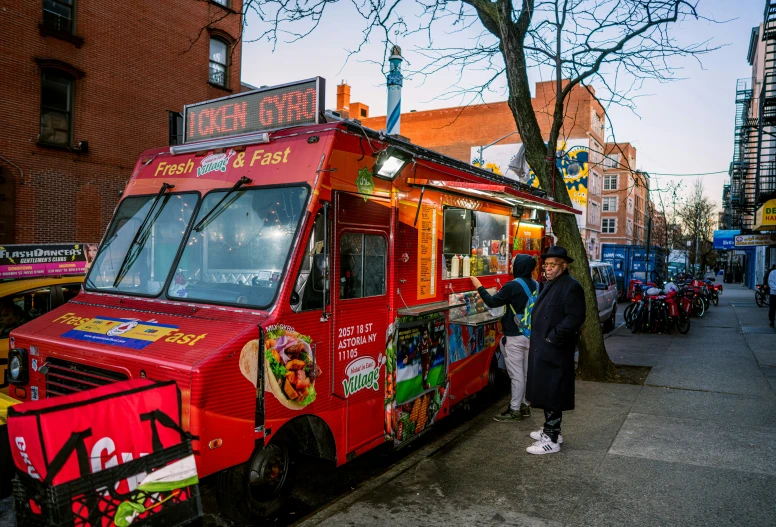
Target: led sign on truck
295	104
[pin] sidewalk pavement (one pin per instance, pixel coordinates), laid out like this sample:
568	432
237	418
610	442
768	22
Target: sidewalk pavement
695	445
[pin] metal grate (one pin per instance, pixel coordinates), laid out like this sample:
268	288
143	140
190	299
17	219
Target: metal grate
65	377
757	329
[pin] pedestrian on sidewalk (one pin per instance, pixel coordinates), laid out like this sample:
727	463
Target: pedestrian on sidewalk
558	315
514	296
772	299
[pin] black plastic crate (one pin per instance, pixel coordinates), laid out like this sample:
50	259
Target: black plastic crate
92	501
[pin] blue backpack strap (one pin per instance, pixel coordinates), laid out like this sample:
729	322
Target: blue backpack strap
525	287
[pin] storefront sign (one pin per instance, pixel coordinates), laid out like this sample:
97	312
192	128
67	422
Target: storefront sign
765	220
427	252
296	104
753	240
27	261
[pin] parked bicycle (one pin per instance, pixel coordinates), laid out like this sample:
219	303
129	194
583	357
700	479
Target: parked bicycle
656	311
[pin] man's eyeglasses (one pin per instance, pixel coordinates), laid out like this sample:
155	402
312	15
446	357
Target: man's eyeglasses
551	265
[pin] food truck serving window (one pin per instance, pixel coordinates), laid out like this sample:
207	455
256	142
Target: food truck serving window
240	252
481	236
142	268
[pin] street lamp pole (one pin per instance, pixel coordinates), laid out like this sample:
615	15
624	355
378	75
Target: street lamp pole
482	148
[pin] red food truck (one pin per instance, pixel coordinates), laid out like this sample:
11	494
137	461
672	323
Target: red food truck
303	279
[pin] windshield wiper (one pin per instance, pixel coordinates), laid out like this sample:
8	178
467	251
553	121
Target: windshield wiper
201	223
141	234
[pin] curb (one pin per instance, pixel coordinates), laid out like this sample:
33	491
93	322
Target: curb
392	473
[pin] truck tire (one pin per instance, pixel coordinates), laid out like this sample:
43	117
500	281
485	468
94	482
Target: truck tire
258	488
612	320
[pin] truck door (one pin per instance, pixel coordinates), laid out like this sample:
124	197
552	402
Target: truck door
361	310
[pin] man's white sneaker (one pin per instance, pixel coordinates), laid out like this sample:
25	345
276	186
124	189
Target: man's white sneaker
539	435
543	447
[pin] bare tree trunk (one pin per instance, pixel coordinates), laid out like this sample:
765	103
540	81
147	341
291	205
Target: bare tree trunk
594	363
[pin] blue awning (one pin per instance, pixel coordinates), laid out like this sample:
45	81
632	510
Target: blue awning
725	239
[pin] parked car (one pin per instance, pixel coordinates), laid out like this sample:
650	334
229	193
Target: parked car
605	292
30	298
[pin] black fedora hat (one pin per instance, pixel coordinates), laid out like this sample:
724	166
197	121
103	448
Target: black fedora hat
556	251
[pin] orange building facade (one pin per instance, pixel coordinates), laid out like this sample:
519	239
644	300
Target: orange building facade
625	197
477	133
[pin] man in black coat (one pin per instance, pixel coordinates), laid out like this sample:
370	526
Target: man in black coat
557	316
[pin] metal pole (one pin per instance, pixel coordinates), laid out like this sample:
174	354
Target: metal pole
697	242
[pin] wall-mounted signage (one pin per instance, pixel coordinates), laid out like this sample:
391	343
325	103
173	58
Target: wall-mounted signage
765	219
295	104
753	240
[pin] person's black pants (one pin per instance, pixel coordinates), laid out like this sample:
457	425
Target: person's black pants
772	308
552	420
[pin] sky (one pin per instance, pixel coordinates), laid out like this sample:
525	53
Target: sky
680	127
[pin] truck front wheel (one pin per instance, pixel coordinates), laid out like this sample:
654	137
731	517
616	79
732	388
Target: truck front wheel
259	488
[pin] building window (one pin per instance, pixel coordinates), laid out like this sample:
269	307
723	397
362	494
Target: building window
175	123
612	161
629	227
595	214
609	225
58	15
630	204
610	182
595	183
610	204
224	3
56	108
219	56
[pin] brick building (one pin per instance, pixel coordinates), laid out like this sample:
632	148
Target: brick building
89	85
625	197
460	133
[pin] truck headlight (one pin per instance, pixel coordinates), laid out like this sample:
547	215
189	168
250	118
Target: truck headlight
18	368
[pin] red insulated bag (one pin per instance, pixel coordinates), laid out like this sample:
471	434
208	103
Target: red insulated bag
85	459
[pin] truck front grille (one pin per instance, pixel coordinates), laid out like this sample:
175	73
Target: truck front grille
65	377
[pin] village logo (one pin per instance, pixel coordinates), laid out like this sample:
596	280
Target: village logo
363	373
214	163
122	328
364	182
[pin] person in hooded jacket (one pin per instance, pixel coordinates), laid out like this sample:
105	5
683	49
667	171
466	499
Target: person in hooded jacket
514	344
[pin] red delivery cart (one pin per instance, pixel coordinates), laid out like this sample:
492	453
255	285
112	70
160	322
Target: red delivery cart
304	281
111	456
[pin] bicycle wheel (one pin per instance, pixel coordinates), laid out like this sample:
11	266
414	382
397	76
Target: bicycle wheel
628	315
637	319
698	306
759	298
715	299
683	323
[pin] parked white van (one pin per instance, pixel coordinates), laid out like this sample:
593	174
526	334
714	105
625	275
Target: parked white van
605	292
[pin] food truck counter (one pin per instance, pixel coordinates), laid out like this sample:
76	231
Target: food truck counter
427	309
479	319
471	310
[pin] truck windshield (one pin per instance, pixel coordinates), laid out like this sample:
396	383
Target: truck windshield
240	253
146	269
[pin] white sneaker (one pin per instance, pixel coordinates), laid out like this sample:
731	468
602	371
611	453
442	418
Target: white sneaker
543	447
539	435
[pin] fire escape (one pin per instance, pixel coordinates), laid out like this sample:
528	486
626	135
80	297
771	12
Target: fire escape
765	174
743	166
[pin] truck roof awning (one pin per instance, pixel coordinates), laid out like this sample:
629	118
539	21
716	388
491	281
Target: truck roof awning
503	194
